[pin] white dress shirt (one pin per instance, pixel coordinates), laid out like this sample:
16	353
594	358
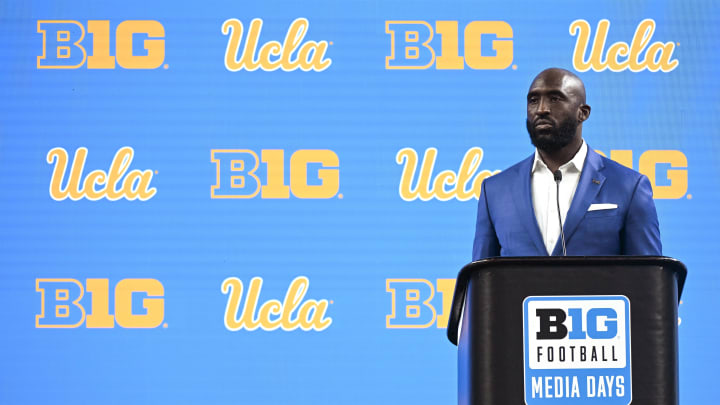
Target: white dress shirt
544	194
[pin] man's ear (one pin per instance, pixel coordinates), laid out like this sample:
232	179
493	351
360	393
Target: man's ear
583	112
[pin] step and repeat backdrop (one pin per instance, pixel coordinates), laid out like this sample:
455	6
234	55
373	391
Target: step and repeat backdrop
268	202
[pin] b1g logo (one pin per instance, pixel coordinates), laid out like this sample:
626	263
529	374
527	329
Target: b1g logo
64	44
411	48
314	173
138	303
577	350
414	303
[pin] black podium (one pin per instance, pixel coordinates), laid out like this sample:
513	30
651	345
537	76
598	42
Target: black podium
567	330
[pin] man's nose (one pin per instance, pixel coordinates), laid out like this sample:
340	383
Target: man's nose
543	106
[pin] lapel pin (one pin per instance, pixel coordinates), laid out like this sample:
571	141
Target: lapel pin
596	181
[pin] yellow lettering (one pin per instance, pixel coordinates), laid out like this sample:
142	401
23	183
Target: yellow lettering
678	177
275	187
657	57
268	309
330	178
155	307
59	157
448	58
272	48
446	286
155	47
135	185
310	313
426	188
100	312
310	55
96	177
101	58
503	47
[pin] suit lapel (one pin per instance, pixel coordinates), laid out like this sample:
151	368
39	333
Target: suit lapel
522	198
591	181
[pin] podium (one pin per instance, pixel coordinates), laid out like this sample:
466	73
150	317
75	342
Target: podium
567	330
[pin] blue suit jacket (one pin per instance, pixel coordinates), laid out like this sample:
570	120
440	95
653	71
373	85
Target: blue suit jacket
506	223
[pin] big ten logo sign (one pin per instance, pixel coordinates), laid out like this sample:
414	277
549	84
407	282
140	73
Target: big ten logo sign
137	303
666	169
462	185
314	173
411	45
577	347
292	313
636	56
294	53
418	303
115	183
137	44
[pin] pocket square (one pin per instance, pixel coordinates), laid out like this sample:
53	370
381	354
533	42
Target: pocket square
596	207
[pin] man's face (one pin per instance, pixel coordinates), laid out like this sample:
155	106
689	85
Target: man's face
552	112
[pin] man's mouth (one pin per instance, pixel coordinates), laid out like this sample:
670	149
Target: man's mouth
542	124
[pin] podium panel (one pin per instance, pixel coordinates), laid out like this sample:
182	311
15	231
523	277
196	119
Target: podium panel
567	330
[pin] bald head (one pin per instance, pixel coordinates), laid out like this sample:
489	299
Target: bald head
562	79
556	110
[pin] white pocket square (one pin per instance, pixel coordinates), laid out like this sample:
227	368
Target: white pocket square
596	207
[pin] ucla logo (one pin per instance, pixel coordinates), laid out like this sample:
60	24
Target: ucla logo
64	44
292	54
238	174
411	48
637	56
114	184
61	303
417	180
576	349
414	304
292	313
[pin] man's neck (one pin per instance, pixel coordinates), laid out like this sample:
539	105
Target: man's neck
553	160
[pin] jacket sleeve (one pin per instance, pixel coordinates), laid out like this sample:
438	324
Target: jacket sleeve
486	243
641	233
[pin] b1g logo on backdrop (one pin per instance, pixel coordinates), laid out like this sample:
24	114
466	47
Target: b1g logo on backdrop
411	48
292	54
314	173
136	44
414	303
577	350
138	303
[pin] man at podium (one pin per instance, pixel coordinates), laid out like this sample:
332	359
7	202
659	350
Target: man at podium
605	208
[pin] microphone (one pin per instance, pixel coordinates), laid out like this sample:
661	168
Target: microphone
558	178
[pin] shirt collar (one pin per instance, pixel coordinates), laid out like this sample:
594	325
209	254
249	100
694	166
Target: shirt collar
576	162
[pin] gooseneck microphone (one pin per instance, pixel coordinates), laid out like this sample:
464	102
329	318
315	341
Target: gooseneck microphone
558	178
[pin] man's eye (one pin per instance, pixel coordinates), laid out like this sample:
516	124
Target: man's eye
532	100
554	98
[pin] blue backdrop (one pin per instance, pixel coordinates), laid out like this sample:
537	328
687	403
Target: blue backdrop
117	279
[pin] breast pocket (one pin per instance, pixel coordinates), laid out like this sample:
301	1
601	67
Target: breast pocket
602	213
601	231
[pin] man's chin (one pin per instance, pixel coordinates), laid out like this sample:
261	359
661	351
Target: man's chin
545	142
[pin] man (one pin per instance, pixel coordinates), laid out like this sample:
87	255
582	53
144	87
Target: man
605	208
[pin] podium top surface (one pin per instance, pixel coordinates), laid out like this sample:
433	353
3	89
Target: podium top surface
560	262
